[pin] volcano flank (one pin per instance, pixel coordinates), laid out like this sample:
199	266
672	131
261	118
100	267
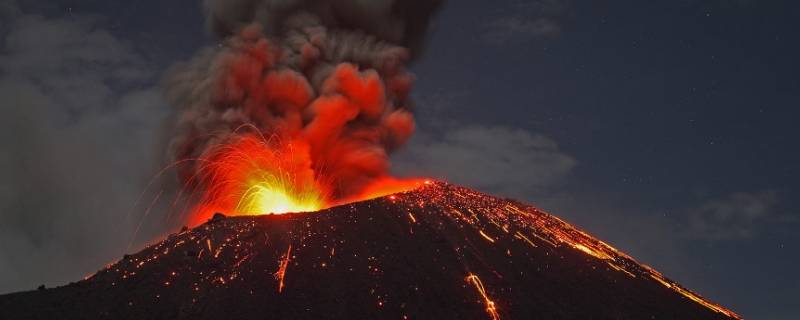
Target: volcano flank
437	252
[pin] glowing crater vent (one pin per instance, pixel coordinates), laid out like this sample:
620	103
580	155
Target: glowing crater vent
252	175
263	197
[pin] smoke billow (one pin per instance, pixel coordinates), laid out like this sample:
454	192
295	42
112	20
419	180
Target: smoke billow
400	22
328	77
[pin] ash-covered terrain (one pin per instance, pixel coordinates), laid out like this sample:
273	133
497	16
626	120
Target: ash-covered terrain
438	252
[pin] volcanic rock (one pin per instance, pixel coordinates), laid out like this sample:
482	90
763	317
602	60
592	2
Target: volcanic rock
438	252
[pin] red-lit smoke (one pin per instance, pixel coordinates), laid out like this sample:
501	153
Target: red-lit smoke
312	110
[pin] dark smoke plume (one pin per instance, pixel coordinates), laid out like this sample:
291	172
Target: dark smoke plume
400	22
327	76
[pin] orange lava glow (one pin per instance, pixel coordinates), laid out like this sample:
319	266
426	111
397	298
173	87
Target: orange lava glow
282	269
386	186
250	177
501	223
253	175
490	307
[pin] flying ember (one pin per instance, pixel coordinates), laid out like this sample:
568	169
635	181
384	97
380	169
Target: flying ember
253	175
481	257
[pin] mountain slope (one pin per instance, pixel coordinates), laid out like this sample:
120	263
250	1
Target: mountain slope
439	252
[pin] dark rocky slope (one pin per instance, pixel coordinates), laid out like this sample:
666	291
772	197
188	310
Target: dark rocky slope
439	252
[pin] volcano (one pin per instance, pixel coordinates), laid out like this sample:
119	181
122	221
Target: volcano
437	252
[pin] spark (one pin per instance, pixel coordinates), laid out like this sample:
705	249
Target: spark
253	175
141	220
543	226
467	208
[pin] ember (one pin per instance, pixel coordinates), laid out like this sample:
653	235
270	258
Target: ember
251	176
438	251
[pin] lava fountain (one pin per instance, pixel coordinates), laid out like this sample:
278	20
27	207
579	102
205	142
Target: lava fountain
248	176
299	106
252	175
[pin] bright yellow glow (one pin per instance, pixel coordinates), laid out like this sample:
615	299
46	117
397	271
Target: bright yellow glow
263	198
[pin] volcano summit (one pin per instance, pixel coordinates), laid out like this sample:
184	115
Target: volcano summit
437	252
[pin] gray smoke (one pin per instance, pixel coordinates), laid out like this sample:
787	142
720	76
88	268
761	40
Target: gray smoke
401	22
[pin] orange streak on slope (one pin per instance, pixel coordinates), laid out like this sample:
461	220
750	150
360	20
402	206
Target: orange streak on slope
282	269
490	308
486	236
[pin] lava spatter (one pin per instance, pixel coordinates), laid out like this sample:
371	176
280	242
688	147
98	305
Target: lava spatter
436	252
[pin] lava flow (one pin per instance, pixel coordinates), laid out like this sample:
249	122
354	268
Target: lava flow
436	252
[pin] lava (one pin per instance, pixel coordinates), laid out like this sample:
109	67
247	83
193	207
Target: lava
362	260
254	175
281	273
269	136
490	307
482	213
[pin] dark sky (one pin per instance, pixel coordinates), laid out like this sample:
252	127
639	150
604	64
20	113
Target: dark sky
666	128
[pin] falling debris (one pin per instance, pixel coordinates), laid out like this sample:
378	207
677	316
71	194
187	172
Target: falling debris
358	261
490	307
282	269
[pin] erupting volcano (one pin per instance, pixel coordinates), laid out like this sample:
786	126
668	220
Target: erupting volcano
285	128
436	252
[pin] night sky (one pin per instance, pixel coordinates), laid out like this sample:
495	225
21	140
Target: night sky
666	128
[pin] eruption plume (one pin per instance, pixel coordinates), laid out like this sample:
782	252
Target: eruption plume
300	105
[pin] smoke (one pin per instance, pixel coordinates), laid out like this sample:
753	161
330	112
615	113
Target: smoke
80	114
328	77
400	22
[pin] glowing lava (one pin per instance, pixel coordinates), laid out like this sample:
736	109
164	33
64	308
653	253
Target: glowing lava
252	175
263	197
437	252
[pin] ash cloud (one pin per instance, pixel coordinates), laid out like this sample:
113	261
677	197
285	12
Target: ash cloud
76	145
401	22
331	76
81	115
